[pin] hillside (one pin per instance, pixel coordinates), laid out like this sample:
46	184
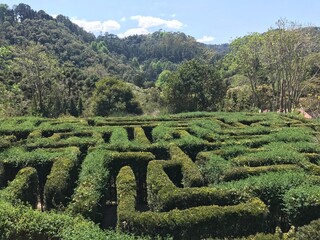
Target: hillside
50	67
71	44
189	176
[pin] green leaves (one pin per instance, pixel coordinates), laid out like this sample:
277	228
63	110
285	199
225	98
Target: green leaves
195	86
114	96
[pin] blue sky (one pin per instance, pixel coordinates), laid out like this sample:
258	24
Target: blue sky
209	21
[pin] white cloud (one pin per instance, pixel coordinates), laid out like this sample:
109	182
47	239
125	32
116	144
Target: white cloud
205	39
123	19
97	26
134	31
148	22
173	15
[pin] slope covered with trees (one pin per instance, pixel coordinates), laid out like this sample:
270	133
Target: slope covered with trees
274	71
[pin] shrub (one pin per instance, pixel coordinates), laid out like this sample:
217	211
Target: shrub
140	136
23	223
25	187
191	174
61	179
272	156
213	167
302	204
91	184
294	134
309	231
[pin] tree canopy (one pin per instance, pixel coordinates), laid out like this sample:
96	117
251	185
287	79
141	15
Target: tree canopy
195	86
113	96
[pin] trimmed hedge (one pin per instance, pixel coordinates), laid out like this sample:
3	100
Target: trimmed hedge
302	204
274	156
193	223
91	185
23	223
2	175
163	195
25	187
238	173
191	174
140	136
60	181
212	166
309	231
126	195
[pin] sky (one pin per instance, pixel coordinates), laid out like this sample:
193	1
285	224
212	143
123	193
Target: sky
208	21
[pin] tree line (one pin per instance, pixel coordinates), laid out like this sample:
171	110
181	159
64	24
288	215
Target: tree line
51	67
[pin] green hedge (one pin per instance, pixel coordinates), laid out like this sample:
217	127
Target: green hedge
126	195
91	185
23	223
163	132
293	134
237	173
191	174
193	223
302	204
140	136
270	188
309	231
2	176
269	157
212	166
25	187
60	181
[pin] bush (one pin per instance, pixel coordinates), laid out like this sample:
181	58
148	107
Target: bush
309	231
25	187
114	96
213	167
191	174
140	136
272	156
294	134
91	185
23	223
60	181
241	219
302	204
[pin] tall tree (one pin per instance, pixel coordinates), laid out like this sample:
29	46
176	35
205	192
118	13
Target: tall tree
195	86
38	70
286	57
244	57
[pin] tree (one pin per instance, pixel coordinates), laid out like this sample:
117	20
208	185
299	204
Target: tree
195	86
244	57
114	96
286	54
38	70
163	78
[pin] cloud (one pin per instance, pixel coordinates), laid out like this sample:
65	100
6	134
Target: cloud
134	31
205	39
97	26
148	22
123	19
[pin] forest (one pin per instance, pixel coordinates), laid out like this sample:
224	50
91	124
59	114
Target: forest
50	67
157	136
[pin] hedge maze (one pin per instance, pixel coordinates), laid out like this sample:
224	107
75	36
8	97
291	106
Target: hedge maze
186	176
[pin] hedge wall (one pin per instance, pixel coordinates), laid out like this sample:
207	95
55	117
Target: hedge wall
24	188
192	223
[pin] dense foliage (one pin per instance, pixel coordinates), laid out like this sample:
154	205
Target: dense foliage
274	71
186	176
